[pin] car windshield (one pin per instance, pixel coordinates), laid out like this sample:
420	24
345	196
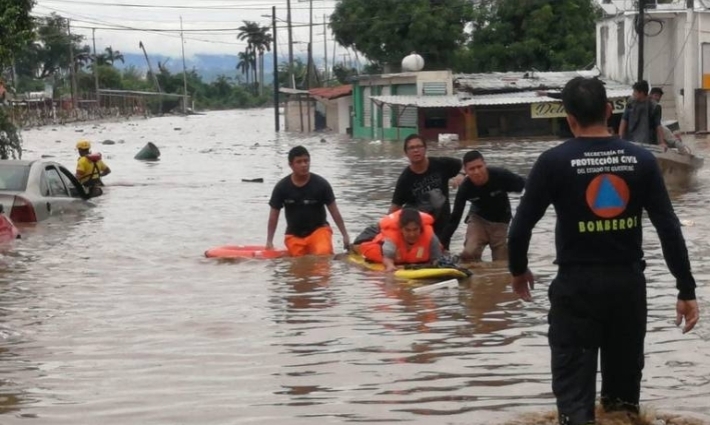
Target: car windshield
13	176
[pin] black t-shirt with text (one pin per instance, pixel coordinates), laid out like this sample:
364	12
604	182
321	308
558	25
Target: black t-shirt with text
599	187
489	201
305	205
428	191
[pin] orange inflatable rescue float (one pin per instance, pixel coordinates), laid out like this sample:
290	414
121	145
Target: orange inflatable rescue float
245	251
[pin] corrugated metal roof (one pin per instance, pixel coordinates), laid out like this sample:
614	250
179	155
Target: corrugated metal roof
287	90
332	92
523	81
424	101
520	98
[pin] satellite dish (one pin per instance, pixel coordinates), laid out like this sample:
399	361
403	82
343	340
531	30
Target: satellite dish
413	63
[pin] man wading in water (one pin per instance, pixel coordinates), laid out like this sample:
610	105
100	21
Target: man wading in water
598	298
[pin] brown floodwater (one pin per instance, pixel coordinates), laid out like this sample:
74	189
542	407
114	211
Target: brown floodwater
114	316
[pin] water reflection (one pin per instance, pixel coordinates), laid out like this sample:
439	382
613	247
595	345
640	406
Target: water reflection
115	316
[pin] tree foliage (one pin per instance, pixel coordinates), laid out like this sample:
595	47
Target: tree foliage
49	53
16	32
386	31
16	26
521	35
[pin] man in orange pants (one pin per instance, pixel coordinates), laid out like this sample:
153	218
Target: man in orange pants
304	196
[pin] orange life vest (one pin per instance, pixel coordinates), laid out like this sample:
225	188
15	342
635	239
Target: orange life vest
389	229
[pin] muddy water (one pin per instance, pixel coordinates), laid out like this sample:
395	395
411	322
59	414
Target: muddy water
113	315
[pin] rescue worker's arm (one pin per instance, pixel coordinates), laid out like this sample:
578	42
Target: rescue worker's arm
624	123
338	219
389	253
454	171
104	170
276	203
435	251
456	214
660	211
271	227
532	207
513	182
400	195
622	129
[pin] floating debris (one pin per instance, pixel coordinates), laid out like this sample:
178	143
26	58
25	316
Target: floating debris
150	152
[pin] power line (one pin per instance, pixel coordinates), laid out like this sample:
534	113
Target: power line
205	7
162	32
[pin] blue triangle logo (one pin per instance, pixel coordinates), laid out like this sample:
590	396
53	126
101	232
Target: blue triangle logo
608	197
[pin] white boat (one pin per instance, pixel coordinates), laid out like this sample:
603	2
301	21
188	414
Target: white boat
679	164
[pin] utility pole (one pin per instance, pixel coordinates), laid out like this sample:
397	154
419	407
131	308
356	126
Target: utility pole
290	46
310	35
308	86
184	71
325	49
72	67
96	69
276	70
640	31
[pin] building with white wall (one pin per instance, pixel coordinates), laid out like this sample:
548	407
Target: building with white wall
676	54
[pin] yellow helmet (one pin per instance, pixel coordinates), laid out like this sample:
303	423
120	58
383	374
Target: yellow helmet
83	144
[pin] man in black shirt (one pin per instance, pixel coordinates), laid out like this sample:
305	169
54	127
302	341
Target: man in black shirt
487	189
424	184
599	185
304	195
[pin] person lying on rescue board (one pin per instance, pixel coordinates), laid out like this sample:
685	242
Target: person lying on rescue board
406	237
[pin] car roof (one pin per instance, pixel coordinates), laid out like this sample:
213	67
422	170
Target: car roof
21	162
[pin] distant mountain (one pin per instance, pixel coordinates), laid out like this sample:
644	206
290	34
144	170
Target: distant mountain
209	67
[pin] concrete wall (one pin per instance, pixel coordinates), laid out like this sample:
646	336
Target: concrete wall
435	76
344	104
293	113
672	57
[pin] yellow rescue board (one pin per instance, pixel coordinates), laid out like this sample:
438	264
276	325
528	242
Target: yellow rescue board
413	274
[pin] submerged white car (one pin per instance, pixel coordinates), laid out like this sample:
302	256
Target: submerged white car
32	191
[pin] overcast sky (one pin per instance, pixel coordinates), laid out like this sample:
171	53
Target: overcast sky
203	21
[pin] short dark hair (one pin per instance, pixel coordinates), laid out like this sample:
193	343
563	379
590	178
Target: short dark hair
412	137
641	86
656	90
410	215
472	156
297	151
585	100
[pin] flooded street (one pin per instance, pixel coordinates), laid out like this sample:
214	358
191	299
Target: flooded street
113	316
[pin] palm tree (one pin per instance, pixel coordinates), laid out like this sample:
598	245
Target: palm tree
245	62
262	43
250	32
113	55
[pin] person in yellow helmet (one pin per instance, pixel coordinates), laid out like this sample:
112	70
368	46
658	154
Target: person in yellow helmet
90	168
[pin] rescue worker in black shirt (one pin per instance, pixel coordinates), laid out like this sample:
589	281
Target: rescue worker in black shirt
424	184
304	196
487	189
599	186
